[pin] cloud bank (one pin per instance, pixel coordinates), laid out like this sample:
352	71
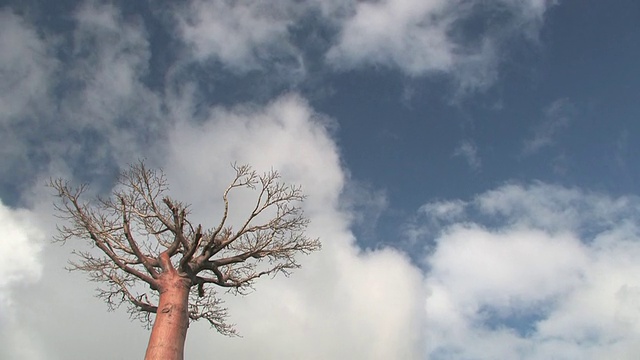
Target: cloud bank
533	272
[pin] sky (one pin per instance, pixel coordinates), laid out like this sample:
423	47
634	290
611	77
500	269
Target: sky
469	167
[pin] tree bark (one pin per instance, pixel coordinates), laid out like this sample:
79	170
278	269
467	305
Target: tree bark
169	330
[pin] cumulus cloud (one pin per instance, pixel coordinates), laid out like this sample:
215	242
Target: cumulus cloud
343	303
339	304
535	271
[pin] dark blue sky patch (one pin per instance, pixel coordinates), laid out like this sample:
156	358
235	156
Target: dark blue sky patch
522	321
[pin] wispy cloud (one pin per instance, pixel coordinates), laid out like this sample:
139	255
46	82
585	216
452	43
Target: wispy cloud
27	73
468	150
367	205
556	118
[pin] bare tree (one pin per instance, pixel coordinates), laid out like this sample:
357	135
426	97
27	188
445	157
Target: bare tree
148	254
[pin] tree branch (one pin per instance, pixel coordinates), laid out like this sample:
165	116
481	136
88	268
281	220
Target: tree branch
145	260
143	240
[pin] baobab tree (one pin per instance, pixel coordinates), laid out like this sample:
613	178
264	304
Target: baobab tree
146	252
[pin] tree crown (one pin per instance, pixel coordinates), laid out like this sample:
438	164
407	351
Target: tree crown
139	235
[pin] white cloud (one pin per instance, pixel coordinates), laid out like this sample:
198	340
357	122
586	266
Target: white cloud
555	208
485	268
443	210
241	35
341	302
430	219
286	135
425	37
554	275
22	241
396	33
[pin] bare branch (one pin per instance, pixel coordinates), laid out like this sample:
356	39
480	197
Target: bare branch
245	177
208	305
96	226
142	240
144	260
186	258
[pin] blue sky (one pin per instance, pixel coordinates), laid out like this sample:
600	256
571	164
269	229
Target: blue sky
471	168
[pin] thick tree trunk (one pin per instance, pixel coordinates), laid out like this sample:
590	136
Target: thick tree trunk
170	326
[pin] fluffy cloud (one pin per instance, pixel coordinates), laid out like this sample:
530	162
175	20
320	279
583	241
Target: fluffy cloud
413	36
343	303
22	243
338	305
20	267
553	275
241	35
437	36
518	272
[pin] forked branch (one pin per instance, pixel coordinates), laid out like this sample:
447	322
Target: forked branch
140	236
